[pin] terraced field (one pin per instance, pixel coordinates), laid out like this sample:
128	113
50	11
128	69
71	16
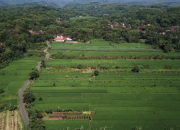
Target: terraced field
103	46
120	98
12	78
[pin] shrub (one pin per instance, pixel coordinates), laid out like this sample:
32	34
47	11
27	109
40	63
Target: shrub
12	107
1	91
40	98
49	111
96	72
79	66
135	69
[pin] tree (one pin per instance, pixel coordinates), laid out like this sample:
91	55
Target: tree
35	124
34	74
43	64
40	98
135	69
49	111
96	72
28	97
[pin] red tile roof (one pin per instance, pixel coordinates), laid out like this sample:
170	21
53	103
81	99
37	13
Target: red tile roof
59	38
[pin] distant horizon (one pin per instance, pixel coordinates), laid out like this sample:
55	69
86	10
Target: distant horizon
62	3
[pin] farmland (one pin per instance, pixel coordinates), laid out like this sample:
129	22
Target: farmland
13	77
120	98
10	121
104	46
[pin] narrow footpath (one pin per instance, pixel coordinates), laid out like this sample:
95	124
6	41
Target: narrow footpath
22	105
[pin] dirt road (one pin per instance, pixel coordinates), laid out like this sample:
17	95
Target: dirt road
45	51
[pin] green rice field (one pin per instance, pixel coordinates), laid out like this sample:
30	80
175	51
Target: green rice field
121	99
103	46
13	77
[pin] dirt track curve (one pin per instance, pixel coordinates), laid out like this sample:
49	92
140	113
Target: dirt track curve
22	105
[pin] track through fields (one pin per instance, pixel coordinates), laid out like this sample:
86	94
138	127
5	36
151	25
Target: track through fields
22	105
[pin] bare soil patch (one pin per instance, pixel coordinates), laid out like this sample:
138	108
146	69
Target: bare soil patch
87	71
72	115
13	121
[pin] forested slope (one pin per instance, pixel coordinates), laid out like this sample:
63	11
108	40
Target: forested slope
15	23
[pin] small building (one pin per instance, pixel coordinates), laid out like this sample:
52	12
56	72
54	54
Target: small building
68	39
1	43
59	39
62	38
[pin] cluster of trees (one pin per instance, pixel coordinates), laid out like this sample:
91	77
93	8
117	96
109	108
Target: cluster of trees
15	23
35	117
135	18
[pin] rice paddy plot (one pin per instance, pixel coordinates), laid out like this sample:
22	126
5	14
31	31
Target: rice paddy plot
13	77
90	53
120	100
71	124
101	45
127	63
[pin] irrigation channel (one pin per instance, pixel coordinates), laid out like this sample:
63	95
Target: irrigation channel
22	105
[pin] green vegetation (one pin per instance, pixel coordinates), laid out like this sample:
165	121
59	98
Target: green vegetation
28	97
118	68
34	74
101	45
41	19
12	78
120	98
96	72
135	69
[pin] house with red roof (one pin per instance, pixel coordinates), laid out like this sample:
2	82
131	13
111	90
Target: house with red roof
62	38
1	43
